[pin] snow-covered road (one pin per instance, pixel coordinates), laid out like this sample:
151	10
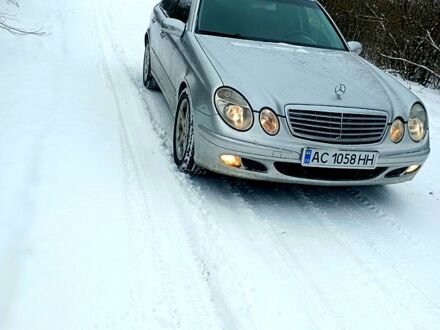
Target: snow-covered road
99	231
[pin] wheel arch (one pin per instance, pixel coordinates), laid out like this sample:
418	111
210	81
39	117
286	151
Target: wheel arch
183	86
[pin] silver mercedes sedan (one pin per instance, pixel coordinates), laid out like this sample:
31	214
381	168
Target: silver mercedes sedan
270	90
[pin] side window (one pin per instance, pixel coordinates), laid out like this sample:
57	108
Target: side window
169	7
182	10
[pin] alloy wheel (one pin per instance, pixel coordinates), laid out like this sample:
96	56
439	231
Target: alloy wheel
182	130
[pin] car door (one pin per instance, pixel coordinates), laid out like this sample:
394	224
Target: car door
172	49
176	58
155	44
162	47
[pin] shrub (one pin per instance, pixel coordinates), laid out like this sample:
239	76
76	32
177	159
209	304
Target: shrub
398	35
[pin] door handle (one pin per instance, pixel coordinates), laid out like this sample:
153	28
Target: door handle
162	34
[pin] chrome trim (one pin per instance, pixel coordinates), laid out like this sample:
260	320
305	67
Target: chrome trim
336	125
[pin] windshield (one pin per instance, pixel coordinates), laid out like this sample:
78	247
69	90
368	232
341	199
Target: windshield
297	22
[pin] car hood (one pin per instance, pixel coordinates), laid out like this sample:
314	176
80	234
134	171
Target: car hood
276	75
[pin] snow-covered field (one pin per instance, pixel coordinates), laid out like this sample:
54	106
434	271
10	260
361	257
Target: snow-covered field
99	231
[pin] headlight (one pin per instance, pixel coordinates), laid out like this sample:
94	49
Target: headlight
269	122
234	109
417	123
397	131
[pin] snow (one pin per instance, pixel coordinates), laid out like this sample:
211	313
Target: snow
99	231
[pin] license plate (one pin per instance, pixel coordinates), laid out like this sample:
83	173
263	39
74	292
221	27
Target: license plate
339	159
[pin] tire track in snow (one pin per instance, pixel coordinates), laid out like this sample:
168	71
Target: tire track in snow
174	272
386	276
365	201
395	274
207	226
310	289
365	274
195	194
162	135
25	214
373	279
164	146
24	221
322	230
252	233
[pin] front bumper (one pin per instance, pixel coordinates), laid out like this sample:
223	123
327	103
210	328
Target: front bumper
211	145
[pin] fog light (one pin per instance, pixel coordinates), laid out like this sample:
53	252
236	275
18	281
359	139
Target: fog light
412	169
231	160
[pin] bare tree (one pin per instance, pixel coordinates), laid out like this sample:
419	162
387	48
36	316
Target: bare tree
402	36
7	24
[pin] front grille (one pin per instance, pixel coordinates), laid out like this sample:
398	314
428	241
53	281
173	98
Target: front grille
337	127
327	174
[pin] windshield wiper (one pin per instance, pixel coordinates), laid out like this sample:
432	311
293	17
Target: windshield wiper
222	34
239	36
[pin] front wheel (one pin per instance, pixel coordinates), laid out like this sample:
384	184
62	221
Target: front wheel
149	81
183	140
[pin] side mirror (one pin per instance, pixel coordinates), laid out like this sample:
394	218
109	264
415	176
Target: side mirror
173	26
355	47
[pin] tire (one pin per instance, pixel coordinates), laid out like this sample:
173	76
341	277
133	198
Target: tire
183	138
148	78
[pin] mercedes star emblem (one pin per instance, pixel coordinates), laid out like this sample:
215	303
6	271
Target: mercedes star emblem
340	91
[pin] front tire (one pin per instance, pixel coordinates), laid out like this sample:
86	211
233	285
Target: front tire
149	81
183	139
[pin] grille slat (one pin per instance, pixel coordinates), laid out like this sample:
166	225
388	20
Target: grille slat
369	134
356	116
300	125
330	116
338	122
357	121
318	133
337	135
310	120
367	125
362	129
337	127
